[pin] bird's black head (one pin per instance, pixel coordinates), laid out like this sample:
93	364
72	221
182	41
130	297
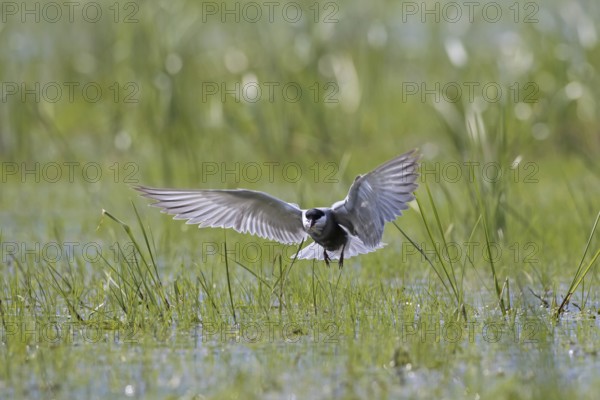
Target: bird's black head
314	214
311	217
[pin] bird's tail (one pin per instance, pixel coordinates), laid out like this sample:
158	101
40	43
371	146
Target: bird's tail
354	247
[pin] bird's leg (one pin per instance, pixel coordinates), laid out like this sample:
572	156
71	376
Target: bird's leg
326	257
341	262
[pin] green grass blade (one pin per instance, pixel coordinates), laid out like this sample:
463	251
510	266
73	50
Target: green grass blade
581	274
229	285
441	259
488	249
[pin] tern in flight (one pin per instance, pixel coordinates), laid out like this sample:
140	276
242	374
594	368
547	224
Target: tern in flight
349	227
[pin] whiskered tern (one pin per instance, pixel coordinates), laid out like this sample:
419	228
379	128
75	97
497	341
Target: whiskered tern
349	227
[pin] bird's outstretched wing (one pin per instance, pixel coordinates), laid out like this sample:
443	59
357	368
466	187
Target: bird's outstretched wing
246	211
378	197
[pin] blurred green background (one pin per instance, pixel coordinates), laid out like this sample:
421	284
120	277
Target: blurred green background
164	69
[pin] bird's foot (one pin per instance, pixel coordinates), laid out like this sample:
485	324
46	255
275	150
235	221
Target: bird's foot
341	262
326	257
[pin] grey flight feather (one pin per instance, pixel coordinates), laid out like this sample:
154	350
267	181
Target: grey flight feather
378	197
246	211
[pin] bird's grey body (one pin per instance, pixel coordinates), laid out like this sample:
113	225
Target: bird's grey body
332	236
350	227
